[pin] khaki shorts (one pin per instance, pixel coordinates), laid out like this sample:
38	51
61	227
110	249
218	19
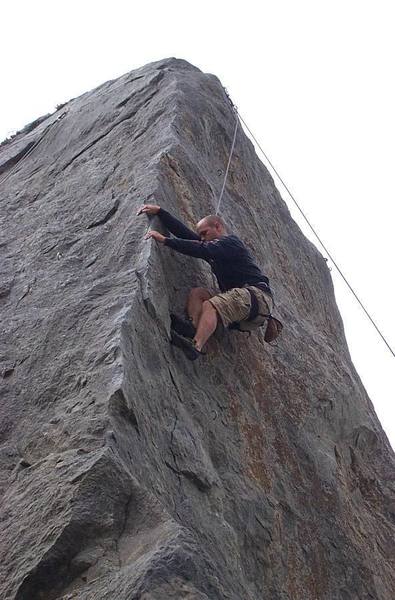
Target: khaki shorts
235	304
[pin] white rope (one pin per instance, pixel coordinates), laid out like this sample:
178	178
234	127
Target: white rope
319	239
230	158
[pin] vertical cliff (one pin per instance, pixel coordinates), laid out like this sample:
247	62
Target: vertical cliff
126	471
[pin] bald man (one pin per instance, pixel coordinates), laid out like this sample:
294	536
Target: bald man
234	268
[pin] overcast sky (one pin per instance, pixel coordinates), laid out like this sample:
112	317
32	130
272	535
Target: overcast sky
313	80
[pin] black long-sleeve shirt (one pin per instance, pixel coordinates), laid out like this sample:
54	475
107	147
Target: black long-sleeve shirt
230	260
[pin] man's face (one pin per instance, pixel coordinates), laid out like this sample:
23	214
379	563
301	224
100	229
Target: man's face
207	232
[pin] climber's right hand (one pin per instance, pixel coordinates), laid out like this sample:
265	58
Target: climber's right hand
148	209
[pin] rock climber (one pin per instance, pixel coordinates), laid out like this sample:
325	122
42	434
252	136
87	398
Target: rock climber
234	268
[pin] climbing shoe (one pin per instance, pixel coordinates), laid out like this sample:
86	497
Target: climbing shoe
187	345
184	328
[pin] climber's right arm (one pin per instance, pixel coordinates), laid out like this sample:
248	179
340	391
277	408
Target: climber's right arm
171	223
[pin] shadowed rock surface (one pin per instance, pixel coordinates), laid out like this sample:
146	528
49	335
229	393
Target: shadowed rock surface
128	472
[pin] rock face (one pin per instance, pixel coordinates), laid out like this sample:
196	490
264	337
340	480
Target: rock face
126	471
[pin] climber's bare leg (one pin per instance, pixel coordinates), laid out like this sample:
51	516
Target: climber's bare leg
207	325
196	298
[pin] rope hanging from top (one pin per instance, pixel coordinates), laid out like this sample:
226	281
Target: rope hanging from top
234	109
319	239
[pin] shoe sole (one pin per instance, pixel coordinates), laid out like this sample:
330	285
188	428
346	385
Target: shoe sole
185	345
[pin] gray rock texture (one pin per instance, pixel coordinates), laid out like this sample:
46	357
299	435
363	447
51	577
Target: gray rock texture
128	472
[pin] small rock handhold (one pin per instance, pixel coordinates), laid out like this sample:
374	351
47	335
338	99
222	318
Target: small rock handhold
7	370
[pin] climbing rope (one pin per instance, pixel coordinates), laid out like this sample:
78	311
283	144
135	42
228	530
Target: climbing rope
302	213
234	108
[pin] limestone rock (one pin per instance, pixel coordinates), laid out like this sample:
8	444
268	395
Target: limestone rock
126	471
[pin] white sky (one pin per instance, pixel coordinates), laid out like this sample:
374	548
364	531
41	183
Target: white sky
314	80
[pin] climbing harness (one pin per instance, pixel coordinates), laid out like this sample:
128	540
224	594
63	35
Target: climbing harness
256	319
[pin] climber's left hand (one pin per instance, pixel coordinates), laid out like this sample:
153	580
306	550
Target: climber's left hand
158	237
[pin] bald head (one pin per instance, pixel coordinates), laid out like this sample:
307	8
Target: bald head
211	228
